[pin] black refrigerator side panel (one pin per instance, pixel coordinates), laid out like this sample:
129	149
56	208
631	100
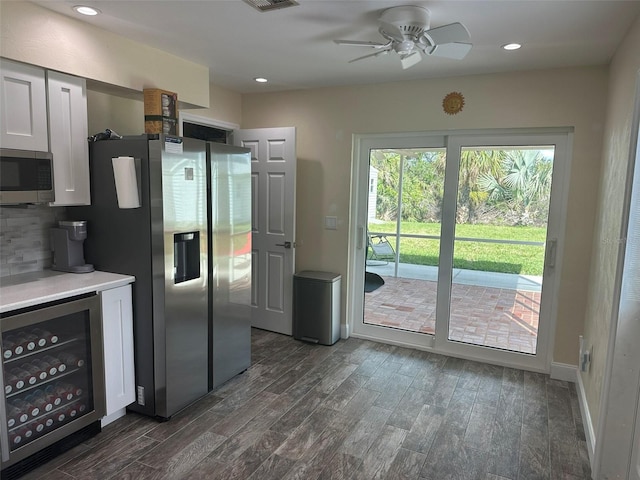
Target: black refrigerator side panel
119	241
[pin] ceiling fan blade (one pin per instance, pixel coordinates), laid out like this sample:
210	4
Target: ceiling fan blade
452	33
375	54
359	43
410	60
457	51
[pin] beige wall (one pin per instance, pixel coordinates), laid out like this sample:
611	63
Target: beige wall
326	119
607	237
125	115
35	35
225	105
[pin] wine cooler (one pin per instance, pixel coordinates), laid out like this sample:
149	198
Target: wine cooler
52	376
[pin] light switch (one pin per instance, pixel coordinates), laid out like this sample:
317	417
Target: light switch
331	223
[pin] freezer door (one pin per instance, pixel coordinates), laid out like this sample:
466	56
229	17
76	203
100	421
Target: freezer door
178	167
230	262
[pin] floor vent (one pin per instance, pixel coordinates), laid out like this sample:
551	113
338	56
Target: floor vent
268	5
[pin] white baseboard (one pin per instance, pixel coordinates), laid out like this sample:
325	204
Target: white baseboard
344	330
586	419
564	371
113	417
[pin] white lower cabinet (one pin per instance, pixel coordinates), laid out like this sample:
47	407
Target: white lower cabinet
117	331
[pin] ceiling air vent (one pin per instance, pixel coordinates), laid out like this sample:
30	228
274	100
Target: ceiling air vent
268	5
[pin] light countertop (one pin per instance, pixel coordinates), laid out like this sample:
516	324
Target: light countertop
29	289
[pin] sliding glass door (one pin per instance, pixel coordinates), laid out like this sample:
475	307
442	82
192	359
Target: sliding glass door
459	235
404	205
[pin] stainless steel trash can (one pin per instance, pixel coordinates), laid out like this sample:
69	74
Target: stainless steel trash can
316	307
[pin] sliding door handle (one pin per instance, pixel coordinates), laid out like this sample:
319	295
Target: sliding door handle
550	254
360	241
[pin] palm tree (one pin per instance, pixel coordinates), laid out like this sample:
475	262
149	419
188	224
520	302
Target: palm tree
524	184
475	165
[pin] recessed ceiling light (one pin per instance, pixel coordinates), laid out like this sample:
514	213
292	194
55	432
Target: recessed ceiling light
511	46
84	10
261	80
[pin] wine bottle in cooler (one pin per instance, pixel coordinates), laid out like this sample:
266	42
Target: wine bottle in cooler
39	426
64	391
8	345
10	381
25	407
71	360
15	439
71	411
26	432
30	342
12	345
48	421
45	366
52	396
15	416
36	372
40	400
24	378
59	416
55	362
45	336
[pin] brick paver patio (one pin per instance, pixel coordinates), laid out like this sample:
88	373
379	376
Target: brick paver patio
494	317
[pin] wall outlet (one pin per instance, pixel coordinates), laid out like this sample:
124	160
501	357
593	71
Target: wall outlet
584	360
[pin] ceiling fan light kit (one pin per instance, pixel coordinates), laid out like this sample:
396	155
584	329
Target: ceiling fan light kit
408	33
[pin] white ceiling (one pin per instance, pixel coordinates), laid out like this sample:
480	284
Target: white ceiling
294	48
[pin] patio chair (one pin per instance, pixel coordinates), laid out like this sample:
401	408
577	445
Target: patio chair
379	249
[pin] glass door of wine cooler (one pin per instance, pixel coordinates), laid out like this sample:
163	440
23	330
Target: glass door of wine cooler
52	375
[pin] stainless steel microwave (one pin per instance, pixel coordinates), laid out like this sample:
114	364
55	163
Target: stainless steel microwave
25	177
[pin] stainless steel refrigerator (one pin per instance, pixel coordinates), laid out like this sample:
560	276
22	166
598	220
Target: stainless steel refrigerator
165	243
229	260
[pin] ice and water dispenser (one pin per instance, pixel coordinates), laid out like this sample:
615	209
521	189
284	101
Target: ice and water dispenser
186	256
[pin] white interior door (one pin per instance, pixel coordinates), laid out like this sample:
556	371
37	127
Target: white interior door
273	180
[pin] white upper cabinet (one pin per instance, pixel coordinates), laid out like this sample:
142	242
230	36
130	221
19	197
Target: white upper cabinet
23	105
30	102
68	131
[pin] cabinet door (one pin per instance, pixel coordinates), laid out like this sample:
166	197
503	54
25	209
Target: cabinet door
23	104
68	138
117	326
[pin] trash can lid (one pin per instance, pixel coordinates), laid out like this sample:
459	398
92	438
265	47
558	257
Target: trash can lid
323	276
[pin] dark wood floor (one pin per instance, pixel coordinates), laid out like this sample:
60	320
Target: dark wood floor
357	410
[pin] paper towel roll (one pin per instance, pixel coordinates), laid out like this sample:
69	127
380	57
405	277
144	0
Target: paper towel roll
124	173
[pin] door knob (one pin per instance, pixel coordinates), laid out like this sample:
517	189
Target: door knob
285	244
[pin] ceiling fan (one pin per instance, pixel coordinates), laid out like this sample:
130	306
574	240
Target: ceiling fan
406	29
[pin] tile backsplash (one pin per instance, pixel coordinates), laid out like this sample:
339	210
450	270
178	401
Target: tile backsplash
24	238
